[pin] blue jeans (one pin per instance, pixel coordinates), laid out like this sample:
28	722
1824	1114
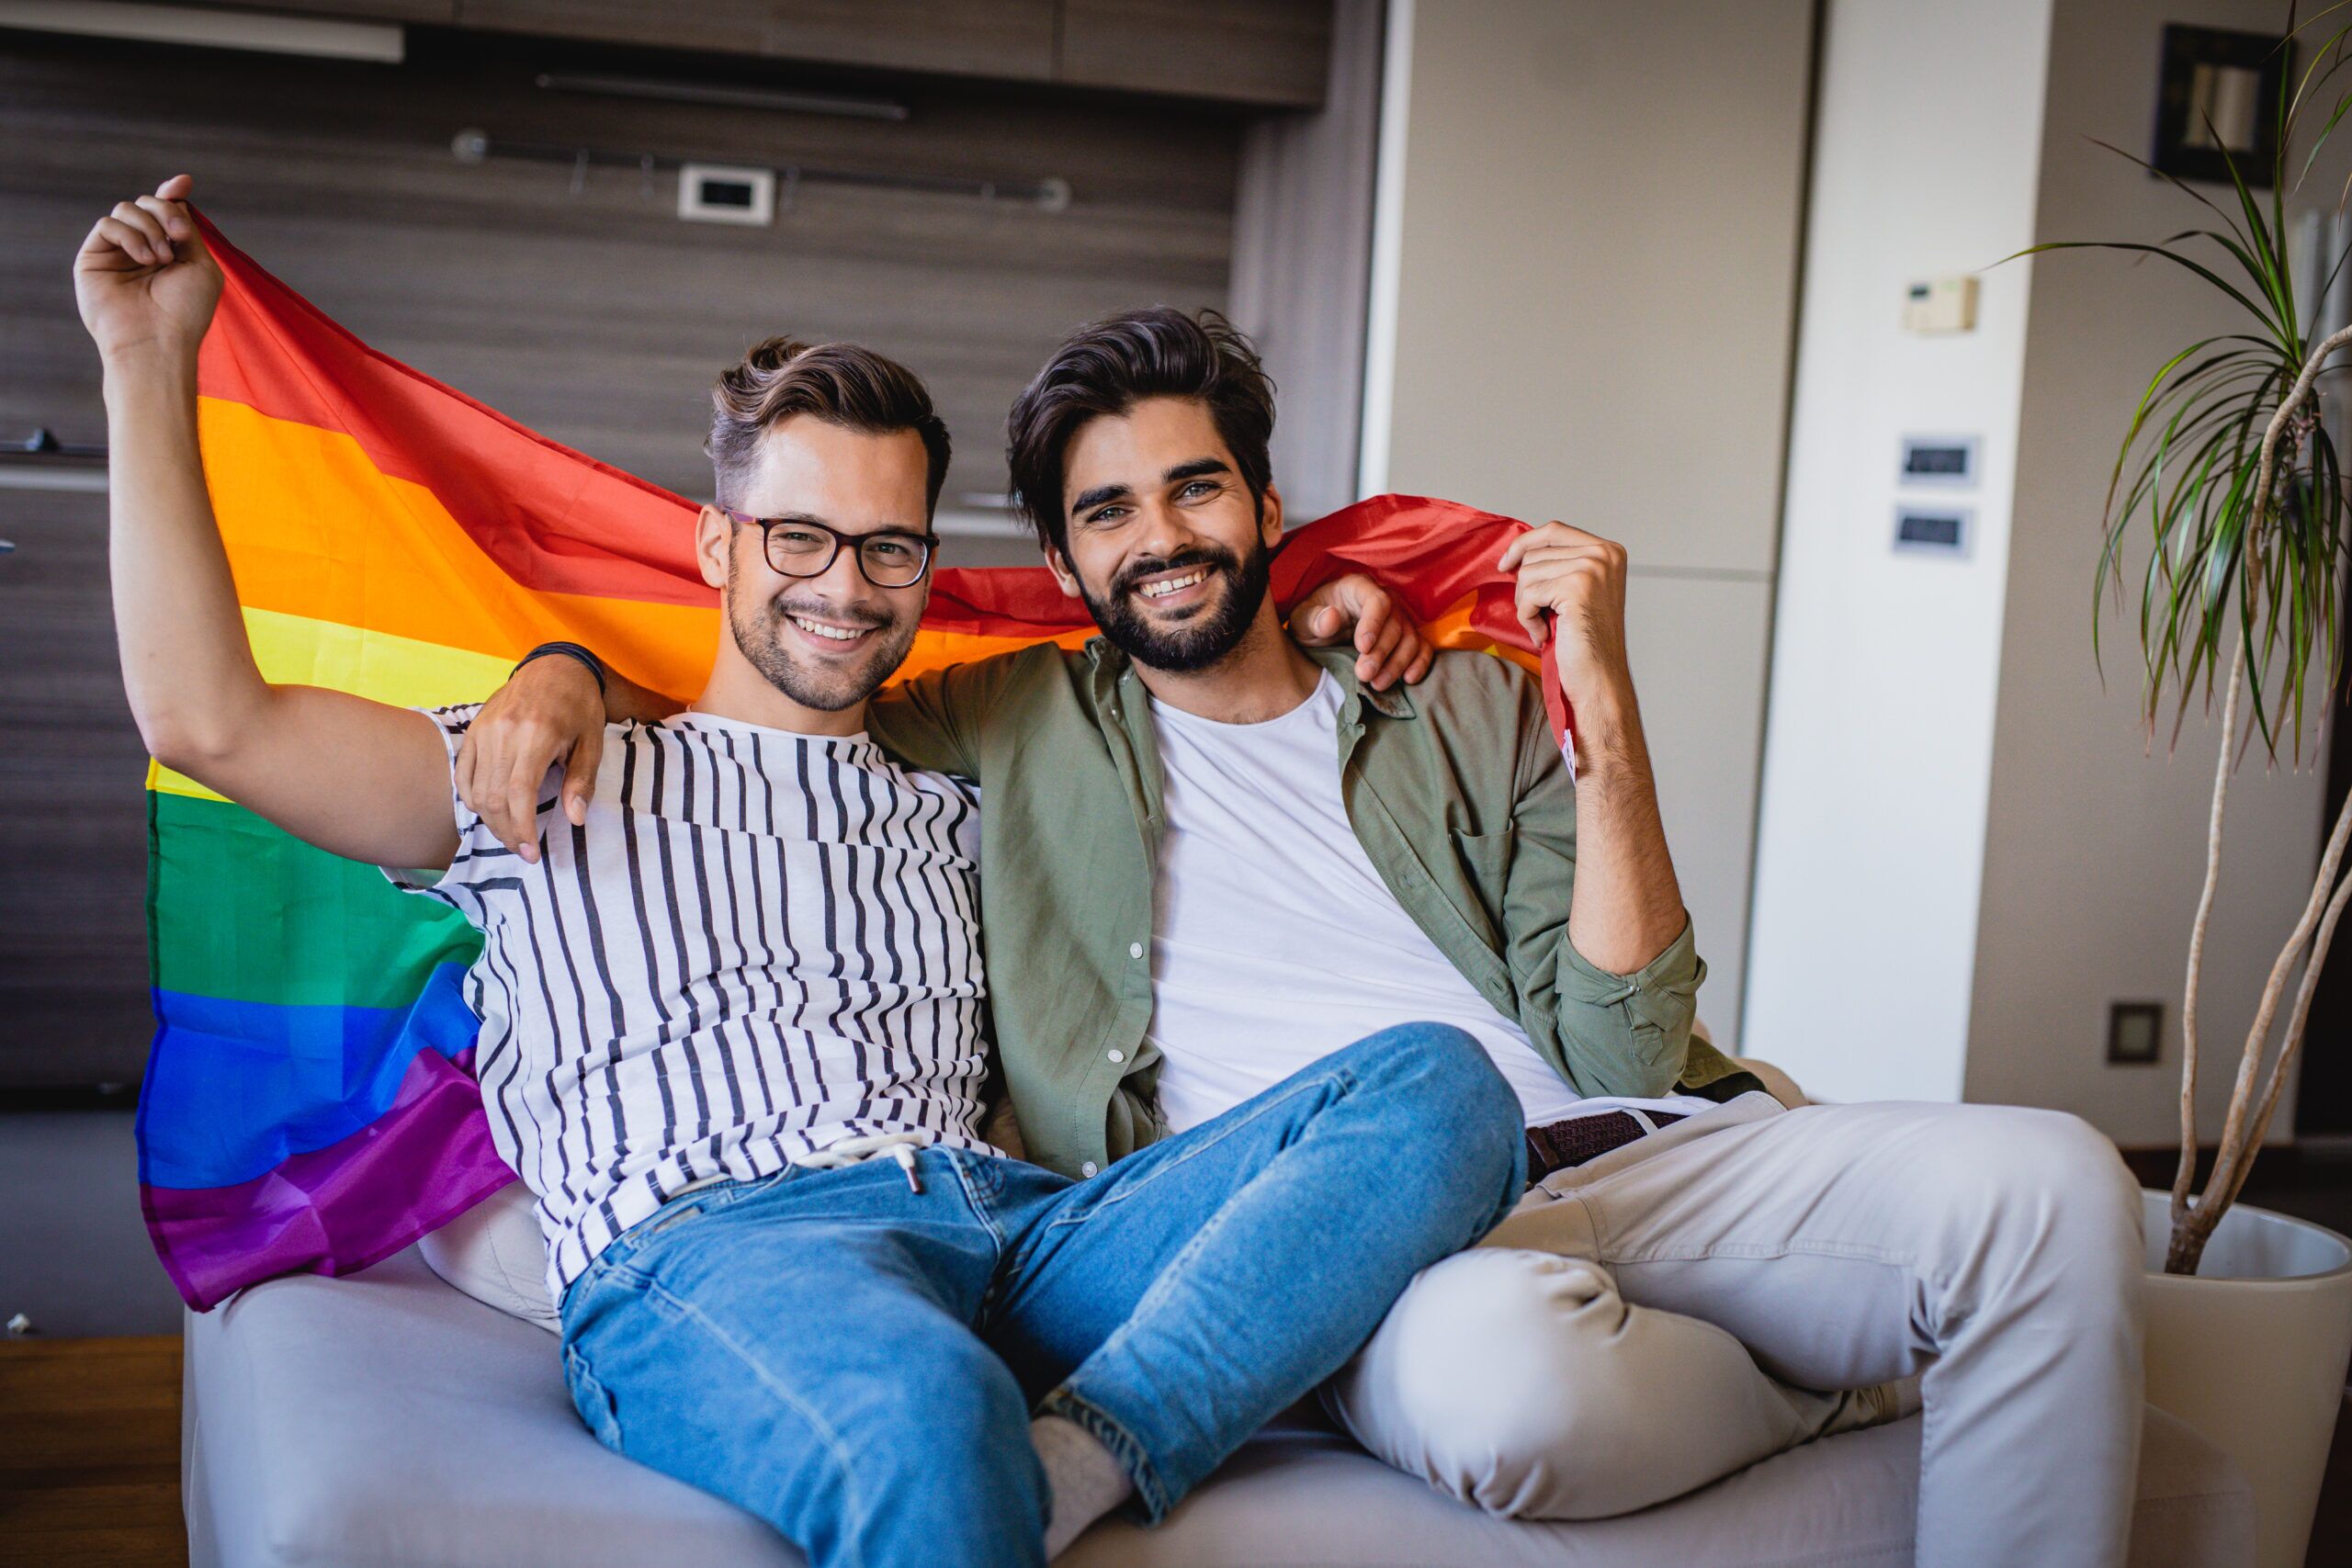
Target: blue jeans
857	1364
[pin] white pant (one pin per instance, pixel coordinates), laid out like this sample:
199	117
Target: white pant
1654	1319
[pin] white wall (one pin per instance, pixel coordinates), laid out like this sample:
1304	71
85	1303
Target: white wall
2096	848
1884	665
1584	281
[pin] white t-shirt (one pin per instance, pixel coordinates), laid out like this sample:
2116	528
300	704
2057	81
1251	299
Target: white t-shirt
1275	941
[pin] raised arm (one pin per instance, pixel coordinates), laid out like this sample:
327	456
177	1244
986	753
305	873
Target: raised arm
1628	906
354	777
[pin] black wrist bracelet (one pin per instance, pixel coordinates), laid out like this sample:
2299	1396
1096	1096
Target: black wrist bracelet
594	665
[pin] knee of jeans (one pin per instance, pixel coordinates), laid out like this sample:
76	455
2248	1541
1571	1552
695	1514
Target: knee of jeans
1451	1081
2045	1186
1513	1373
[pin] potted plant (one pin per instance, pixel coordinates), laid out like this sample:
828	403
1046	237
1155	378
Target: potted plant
2230	479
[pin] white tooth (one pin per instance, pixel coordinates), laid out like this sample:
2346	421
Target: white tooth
816	630
1175	585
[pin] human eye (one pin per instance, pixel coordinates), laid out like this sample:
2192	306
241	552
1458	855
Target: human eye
798	540
888	548
1108	517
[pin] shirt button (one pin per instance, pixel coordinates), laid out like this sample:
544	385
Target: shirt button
1118	1055
1089	1168
1135	950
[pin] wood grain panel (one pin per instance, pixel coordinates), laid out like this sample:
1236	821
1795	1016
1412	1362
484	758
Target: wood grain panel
1270	52
593	315
90	1471
442	13
1008	39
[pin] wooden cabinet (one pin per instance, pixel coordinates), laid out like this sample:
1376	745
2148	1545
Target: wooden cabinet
1269	54
1254	53
1012	39
437	13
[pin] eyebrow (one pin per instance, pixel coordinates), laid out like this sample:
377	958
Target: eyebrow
1193	470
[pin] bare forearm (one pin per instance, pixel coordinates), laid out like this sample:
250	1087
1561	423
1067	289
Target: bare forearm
626	700
185	663
1627	906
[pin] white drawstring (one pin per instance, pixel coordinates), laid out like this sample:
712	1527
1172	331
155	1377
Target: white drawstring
900	1146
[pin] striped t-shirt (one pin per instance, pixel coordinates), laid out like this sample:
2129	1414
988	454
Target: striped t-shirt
760	943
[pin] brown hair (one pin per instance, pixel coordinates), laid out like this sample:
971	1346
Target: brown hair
837	382
1111	366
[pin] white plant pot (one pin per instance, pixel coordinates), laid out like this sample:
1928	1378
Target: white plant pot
2251	1351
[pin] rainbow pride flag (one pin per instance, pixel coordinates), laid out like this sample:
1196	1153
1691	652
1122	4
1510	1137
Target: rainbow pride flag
311	1104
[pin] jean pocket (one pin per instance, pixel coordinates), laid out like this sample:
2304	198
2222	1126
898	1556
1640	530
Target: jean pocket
595	1404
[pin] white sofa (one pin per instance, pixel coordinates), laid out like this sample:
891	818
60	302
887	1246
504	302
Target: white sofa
387	1421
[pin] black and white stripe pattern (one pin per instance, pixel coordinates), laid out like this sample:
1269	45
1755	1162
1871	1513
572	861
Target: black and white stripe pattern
761	943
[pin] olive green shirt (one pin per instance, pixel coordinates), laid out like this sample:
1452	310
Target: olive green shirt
1455	787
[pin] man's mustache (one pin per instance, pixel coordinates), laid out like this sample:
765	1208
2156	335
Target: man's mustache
1182	561
848	614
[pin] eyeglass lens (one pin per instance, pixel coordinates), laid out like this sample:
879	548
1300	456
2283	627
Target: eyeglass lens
889	560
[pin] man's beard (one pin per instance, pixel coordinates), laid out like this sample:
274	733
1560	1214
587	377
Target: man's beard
1211	634
758	630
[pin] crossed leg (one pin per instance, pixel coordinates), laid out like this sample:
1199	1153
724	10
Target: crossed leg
1653	1319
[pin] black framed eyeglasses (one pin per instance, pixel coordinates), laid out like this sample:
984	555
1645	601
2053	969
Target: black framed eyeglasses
802	546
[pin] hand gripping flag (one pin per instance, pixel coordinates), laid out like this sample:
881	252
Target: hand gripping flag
309	1104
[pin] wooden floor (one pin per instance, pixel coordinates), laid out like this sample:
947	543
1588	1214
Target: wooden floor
90	1459
90	1453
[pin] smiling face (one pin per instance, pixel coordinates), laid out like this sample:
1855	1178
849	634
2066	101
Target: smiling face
1166	545
825	642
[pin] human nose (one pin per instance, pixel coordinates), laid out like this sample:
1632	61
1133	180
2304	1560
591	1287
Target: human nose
842	579
1163	532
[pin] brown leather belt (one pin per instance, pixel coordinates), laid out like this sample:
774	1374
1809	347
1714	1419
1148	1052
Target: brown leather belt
1573	1140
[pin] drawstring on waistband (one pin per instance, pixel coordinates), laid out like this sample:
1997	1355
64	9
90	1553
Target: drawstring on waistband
900	1146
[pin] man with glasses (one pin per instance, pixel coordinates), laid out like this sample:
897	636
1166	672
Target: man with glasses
752	962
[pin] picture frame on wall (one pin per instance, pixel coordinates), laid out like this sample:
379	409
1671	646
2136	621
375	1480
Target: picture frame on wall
2219	92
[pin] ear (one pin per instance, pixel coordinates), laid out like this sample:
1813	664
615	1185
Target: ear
1270	517
1059	564
713	539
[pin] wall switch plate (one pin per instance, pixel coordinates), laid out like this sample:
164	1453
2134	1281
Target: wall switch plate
1947	462
723	193
1941	305
1930	529
2135	1033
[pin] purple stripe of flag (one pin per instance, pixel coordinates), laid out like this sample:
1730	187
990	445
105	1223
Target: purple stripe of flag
338	1208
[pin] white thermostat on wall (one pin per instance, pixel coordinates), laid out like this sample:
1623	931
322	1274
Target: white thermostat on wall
1948	461
1937	305
1932	529
723	193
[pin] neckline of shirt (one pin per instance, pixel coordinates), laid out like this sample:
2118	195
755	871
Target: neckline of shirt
1322	702
694	718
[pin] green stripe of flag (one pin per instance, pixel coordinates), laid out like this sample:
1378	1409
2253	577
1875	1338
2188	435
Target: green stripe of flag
244	911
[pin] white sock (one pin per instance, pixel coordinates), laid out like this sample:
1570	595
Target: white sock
1083	1481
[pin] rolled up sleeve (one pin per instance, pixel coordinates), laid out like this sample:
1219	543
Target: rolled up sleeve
1628	1034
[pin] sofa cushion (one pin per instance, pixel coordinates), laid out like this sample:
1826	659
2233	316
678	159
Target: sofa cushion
386	1421
496	1253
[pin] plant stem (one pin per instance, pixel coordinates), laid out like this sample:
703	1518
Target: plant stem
2186	1174
2191	1226
2291	1045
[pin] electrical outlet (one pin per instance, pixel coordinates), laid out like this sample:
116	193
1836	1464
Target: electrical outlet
2135	1033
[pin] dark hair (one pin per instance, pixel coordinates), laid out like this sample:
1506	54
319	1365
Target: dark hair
1107	368
837	382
